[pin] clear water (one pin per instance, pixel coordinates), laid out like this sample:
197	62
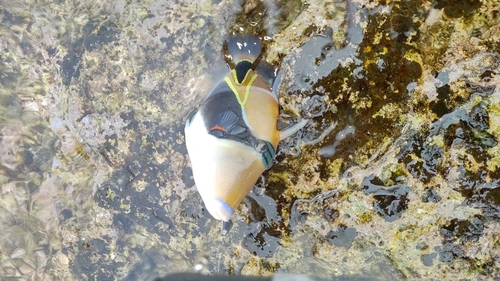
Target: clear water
396	175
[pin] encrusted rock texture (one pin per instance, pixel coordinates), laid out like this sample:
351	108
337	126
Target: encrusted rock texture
396	174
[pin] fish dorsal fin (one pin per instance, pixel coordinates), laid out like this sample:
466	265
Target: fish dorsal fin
225	123
241	70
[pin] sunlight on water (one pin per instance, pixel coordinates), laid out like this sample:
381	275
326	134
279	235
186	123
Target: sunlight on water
396	174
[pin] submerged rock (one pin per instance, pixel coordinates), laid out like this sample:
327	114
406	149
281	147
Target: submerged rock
396	174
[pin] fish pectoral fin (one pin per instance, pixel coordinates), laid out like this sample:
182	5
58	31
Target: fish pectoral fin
223	123
292	129
237	129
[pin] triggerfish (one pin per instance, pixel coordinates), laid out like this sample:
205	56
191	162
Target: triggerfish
232	138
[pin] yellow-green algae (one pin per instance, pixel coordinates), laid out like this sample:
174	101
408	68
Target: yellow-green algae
95	181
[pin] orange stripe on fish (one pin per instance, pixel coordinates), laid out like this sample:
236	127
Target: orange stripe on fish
220	128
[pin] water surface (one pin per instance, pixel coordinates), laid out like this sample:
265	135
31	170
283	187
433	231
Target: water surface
396	175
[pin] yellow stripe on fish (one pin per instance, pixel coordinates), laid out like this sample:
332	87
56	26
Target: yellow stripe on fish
236	92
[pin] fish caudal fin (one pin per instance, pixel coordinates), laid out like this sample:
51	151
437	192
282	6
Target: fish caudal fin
244	48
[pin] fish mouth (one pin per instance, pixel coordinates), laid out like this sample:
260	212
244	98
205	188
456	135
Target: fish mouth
219	209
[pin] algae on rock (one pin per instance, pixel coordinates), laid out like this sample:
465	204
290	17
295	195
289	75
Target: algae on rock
396	175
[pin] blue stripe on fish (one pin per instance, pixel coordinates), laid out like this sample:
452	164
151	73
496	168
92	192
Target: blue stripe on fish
266	151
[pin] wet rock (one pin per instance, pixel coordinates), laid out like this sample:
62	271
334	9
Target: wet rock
395	175
456	234
70	67
262	241
430	195
428	259
389	202
456	9
342	237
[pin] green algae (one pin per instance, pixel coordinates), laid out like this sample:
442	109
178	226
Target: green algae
437	143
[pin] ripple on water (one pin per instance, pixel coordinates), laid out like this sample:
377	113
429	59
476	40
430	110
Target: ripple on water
94	175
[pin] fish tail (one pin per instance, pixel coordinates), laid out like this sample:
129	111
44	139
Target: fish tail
244	47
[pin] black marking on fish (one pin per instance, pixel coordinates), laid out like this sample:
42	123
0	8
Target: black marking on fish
223	118
242	69
223	115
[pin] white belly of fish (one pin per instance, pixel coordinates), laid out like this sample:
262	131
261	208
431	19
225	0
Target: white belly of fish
224	170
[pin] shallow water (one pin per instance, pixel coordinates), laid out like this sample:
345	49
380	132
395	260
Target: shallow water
396	175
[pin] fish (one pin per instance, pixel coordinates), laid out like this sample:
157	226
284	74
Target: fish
233	137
